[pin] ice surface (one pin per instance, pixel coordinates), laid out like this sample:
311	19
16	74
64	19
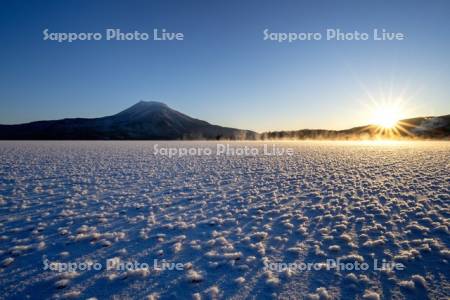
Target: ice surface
223	219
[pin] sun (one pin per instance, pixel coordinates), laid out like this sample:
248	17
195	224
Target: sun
386	112
387	119
386	115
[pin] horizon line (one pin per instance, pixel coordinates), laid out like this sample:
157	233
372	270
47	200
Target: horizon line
231	126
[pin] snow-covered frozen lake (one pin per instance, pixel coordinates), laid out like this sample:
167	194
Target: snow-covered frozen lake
72	214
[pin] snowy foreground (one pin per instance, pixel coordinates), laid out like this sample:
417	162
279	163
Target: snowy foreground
115	220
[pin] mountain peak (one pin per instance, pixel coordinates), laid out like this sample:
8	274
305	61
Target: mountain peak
150	103
143	108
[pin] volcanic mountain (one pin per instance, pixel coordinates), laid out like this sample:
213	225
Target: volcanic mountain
146	120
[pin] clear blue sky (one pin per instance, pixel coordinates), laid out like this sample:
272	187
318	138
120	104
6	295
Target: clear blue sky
224	72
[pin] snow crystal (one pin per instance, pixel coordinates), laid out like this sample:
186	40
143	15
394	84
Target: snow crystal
371	295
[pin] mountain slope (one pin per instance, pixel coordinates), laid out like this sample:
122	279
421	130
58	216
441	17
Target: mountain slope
142	121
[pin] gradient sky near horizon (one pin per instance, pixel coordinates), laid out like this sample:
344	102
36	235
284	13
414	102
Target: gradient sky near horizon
224	72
